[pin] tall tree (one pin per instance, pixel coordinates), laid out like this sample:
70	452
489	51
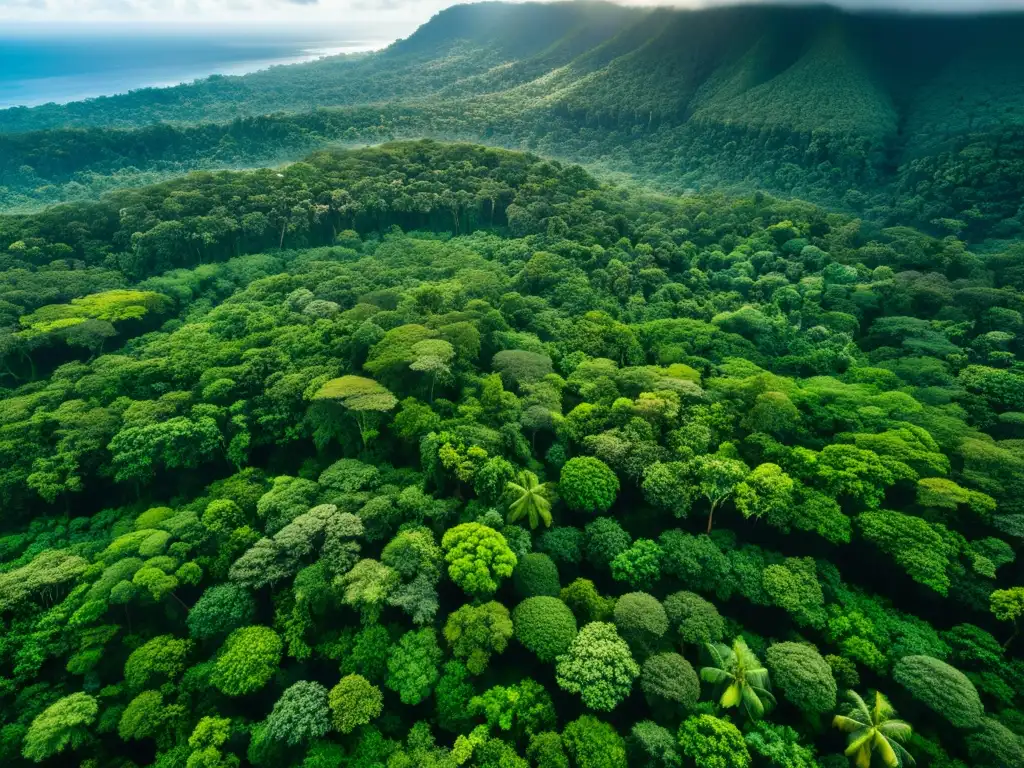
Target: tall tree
739	671
874	730
531	499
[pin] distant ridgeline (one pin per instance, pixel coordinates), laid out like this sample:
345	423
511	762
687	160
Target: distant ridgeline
907	119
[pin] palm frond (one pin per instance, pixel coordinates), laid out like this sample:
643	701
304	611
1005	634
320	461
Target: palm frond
752	703
905	757
714	676
858	741
765	694
721	655
861	706
731	696
885	750
758	678
883	709
848	724
896	729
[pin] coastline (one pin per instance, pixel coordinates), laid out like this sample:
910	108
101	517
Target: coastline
38	91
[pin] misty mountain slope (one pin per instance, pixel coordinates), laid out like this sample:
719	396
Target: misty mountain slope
889	116
828	89
981	89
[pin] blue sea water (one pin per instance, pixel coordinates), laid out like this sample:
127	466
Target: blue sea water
38	70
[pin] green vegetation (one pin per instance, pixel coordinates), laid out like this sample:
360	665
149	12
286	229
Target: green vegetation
804	102
437	455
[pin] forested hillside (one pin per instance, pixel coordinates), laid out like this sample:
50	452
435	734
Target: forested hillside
438	455
899	119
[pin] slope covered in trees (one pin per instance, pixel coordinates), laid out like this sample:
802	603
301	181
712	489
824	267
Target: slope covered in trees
912	119
437	455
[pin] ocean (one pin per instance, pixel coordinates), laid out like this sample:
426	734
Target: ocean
38	70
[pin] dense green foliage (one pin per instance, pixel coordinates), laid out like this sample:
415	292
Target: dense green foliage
280	450
805	102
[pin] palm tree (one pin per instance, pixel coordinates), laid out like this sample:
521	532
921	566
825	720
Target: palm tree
532	499
874	730
740	671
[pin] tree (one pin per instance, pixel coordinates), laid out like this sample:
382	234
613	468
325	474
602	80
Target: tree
588	485
531	500
364	398
418	598
1008	605
518	366
390	356
546	750
412	665
146	717
63	724
604	539
206	741
163	658
414	420
766	492
414	552
545	626
916	545
698	562
666	485
598	666
453	693
300	715
773	413
874	730
716	479
993	745
475	632
778	745
695	619
367	587
739	673
594	744
943	688
641	620
669	678
563	544
586	602
524	709
287	498
651	744
491	481
536	574
803	676
348	476
354	701
433	357
477	557
247	660
220	610
639	564
793	586
711	742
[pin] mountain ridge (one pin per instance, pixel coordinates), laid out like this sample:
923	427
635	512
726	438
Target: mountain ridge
801	101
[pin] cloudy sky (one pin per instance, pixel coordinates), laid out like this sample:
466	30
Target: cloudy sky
403	14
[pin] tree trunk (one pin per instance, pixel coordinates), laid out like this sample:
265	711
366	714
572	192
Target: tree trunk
1016	631
711	515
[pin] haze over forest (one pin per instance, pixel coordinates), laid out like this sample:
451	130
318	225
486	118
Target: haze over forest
562	385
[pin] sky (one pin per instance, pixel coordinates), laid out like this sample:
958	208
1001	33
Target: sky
396	17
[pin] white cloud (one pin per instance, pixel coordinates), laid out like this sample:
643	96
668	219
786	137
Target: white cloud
185	12
405	14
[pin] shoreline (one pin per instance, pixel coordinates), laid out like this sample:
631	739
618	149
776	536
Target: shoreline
61	90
